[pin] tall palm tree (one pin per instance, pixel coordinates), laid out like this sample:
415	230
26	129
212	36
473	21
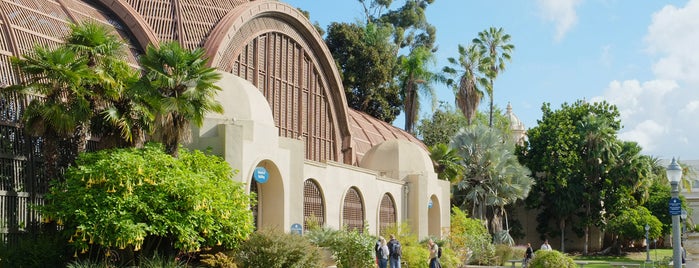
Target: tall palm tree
447	162
54	80
186	90
495	49
468	95
416	77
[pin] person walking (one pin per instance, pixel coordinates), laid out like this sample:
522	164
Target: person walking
545	245
528	254
383	254
395	252
377	249
434	254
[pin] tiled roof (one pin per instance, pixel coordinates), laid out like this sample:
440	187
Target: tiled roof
368	132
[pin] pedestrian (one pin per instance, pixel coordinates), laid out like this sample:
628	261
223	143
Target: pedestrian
383	254
377	248
395	252
545	245
434	254
528	254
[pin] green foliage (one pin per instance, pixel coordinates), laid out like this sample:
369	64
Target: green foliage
350	248
119	198
630	224
218	260
161	261
505	252
415	256
441	128
552	259
273	248
448	162
45	250
469	237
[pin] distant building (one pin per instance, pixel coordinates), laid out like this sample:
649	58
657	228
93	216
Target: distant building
286	127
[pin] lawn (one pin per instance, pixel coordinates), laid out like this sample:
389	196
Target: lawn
656	255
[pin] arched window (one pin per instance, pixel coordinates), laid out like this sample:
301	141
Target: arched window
313	205
387	213
353	211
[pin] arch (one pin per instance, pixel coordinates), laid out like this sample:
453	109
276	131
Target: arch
313	204
353	210
387	212
269	210
138	26
241	43
434	218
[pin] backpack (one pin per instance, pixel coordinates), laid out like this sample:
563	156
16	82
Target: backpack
395	250
439	252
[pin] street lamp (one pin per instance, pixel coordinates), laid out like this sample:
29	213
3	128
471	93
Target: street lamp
674	174
647	244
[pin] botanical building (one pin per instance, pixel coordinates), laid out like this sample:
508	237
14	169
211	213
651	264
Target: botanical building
286	125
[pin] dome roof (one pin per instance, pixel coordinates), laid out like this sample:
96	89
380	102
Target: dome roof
397	158
242	101
368	132
515	123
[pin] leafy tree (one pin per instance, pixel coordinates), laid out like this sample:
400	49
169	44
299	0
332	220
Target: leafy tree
56	82
466	79
367	62
415	77
470	234
130	199
409	21
630	225
495	49
442	127
186	90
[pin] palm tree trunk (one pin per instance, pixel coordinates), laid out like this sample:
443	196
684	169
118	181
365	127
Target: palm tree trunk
490	122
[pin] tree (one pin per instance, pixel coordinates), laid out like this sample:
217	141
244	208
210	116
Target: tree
133	199
409	22
495	49
55	81
630	225
186	90
468	95
448	162
367	62
442	127
415	78
493	176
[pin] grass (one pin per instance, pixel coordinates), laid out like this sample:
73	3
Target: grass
656	255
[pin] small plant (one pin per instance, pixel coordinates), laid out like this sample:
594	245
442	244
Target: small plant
218	260
551	259
350	248
273	248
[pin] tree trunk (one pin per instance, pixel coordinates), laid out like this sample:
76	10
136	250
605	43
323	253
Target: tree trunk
562	226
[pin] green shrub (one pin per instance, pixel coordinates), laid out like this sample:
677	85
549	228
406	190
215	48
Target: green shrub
551	259
416	256
350	248
273	248
469	237
129	198
505	252
218	260
44	250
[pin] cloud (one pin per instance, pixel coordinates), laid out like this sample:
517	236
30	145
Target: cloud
673	35
560	12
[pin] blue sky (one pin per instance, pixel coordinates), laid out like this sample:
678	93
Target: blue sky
642	56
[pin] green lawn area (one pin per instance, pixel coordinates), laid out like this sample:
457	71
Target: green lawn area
633	257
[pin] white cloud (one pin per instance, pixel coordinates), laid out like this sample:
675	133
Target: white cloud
560	12
645	133
673	35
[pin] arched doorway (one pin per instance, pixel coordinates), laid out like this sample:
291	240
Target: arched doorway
313	204
434	219
266	183
387	213
353	210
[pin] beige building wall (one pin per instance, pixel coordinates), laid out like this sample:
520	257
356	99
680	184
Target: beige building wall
245	136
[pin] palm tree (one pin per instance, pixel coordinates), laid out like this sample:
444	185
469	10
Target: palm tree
468	95
416	77
185	87
447	162
495	49
114	103
59	111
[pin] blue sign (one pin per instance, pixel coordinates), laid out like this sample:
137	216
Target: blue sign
296	229
260	174
675	206
429	204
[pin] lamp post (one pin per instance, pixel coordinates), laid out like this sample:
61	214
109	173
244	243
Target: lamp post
647	244
674	174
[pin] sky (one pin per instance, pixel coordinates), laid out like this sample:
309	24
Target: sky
642	56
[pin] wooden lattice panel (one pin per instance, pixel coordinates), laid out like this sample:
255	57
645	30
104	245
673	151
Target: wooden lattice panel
353	211
313	204
387	213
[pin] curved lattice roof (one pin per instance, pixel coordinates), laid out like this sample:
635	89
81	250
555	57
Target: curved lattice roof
266	42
